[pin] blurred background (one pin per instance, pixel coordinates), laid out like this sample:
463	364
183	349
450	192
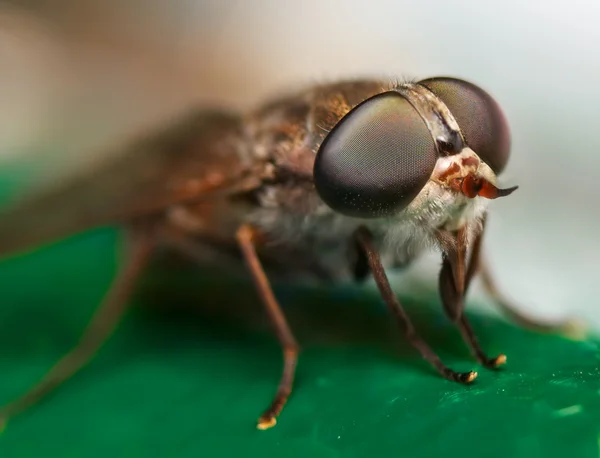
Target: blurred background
77	77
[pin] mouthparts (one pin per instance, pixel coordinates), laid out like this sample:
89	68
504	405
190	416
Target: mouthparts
472	186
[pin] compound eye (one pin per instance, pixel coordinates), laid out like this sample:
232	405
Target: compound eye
479	117
376	159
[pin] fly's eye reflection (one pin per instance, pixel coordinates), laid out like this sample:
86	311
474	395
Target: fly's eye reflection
376	159
479	116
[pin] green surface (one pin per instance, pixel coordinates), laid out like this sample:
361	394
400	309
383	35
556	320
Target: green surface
181	383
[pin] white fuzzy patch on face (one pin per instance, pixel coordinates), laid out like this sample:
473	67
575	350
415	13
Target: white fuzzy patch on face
398	238
434	208
437	206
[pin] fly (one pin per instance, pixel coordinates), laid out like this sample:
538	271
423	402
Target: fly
337	181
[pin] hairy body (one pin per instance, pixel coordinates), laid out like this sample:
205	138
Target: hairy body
223	187
213	171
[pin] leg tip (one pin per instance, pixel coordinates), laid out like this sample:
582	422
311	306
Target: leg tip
467	377
266	422
499	361
3	422
574	329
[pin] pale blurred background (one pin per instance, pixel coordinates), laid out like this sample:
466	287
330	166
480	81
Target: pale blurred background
77	77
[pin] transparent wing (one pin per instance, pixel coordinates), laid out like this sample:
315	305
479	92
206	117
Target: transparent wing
201	155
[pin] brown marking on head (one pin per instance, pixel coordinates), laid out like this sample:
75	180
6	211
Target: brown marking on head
463	175
453	169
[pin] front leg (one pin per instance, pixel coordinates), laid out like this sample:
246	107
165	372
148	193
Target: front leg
454	280
364	239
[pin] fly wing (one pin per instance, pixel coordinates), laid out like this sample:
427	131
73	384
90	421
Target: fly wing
205	155
201	155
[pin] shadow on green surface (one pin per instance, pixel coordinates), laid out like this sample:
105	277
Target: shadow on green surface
335	316
189	372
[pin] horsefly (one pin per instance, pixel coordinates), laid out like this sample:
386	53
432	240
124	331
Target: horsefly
340	181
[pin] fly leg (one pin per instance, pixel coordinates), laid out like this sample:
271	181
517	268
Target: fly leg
454	279
101	326
247	238
365	241
569	328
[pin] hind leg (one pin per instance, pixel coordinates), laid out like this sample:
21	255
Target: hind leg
103	323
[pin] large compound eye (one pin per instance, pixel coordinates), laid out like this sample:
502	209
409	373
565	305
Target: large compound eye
479	117
376	159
